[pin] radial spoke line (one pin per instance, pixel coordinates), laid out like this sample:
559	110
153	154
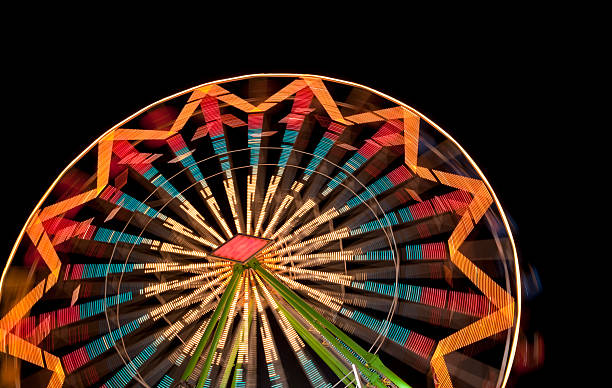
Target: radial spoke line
295	328
334	333
176	249
335	365
222	307
231	361
437	206
435	315
121	200
277	215
276	373
307	246
312	371
110	236
367	152
152	176
221	331
180	267
396	343
212	115
161	339
458	301
190	282
245	361
194	297
255	124
328	140
294	123
307	228
321	327
451	202
408	339
336	278
332	256
180	150
390	181
306	206
413	253
93	349
179	355
252	351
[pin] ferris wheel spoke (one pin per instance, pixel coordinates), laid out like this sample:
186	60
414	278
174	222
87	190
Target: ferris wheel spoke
328	330
470	305
220	314
155	182
200	281
433	315
179	266
306	229
313	259
190	346
329	139
356	227
437	206
150	349
214	123
247	350
276	373
280	212
109	243
414	270
402	234
254	179
216	347
140	317
393	180
92	351
297	330
291	221
144	216
411	253
371	149
311	370
318	242
184	155
397	338
291	139
298	273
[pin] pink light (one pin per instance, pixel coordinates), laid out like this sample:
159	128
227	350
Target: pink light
240	248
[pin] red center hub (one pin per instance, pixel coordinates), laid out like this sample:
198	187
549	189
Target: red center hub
240	248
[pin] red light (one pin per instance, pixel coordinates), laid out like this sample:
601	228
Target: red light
240	248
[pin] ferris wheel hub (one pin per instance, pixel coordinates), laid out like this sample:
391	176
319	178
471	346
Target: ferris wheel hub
241	248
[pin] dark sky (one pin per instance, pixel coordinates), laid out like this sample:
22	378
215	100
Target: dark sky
488	90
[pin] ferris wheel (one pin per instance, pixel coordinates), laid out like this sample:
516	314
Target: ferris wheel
273	230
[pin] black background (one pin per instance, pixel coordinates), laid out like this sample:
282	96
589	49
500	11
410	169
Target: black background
489	89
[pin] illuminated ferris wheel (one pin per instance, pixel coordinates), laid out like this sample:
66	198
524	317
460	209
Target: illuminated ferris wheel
269	230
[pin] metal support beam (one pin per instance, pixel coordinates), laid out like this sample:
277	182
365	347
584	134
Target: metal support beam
221	325
332	333
334	364
231	287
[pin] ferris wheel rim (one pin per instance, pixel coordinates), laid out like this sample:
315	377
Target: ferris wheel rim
508	229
